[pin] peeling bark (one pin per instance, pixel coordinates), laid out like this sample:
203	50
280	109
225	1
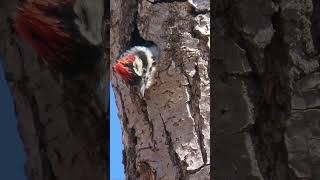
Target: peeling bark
168	131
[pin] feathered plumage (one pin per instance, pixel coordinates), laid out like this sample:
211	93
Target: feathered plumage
123	67
137	67
49	27
43	32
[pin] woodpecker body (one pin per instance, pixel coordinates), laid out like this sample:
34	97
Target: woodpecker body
67	34
137	67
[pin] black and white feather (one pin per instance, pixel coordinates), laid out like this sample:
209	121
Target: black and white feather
144	66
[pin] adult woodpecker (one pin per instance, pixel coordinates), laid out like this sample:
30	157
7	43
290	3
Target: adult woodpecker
137	67
67	34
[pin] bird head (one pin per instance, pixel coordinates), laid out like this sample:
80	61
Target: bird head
124	67
137	67
44	32
67	38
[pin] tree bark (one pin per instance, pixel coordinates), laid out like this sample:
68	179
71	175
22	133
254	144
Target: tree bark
266	100
63	129
166	134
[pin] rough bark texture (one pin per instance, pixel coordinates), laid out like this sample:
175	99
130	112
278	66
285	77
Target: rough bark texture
64	130
167	133
266	100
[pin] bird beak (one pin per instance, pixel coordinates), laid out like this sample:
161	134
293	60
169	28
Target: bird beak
142	89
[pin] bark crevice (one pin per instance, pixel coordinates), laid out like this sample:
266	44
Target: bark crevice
198	169
194	91
267	82
150	124
176	161
273	105
315	28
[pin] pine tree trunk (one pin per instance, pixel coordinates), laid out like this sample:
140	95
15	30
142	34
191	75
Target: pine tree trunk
166	133
63	129
266	100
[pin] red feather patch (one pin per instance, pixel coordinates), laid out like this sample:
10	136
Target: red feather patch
45	33
122	69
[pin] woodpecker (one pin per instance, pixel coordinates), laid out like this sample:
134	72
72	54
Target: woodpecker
137	67
67	34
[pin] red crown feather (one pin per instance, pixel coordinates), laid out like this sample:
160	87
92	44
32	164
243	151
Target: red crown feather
122	67
45	33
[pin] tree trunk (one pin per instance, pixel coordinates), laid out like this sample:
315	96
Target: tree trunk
63	129
166	134
266	100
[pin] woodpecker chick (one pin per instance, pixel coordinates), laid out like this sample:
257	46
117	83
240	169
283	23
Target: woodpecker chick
67	34
137	67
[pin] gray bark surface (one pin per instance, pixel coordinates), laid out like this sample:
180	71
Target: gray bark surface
62	128
166	134
266	100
